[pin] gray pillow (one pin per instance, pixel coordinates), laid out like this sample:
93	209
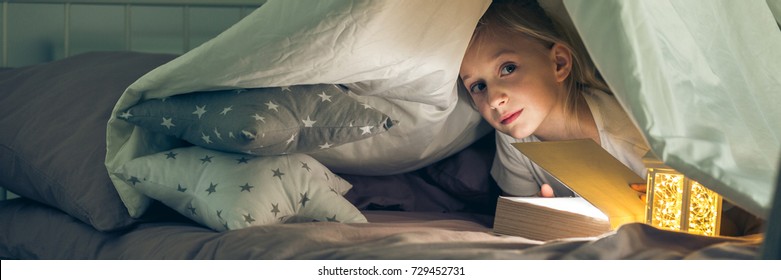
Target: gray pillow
53	132
227	191
262	121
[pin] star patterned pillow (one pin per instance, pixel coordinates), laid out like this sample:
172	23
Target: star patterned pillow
227	191
262	121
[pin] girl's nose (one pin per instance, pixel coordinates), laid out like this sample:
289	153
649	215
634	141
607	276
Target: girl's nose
496	98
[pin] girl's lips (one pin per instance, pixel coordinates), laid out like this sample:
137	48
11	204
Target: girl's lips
511	117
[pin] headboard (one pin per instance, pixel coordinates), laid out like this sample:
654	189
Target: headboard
36	31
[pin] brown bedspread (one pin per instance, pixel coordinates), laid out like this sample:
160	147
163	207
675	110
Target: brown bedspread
32	231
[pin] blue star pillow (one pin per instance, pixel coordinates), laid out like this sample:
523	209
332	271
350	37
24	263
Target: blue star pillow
227	191
262	121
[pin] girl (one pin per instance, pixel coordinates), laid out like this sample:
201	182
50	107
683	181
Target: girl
530	82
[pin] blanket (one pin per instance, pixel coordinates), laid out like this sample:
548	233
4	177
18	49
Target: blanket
389	55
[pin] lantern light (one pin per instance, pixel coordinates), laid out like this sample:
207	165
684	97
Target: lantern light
676	202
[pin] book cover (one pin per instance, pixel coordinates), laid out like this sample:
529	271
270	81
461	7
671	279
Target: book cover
595	175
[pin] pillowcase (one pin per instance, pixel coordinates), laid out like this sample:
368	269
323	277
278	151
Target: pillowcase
262	121
53	132
226	191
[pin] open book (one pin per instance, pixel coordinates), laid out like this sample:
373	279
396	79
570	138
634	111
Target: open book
605	199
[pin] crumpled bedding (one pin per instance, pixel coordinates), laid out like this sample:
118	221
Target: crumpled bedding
392	55
33	231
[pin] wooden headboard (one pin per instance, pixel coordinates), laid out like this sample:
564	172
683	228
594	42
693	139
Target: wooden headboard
36	31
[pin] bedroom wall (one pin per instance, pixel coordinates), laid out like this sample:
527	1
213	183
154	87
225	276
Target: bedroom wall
40	31
37	31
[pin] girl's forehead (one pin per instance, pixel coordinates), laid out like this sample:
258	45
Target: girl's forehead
489	44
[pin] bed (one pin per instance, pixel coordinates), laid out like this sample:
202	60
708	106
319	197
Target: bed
398	168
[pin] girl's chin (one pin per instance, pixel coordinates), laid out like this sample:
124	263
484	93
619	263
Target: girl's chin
516	134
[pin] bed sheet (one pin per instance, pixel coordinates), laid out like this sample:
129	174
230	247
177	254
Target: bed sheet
33	231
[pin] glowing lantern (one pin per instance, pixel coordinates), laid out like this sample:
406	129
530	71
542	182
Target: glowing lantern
675	202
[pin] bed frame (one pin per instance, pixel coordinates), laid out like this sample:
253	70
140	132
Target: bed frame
64	28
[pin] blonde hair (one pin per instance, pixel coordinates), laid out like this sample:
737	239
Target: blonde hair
527	18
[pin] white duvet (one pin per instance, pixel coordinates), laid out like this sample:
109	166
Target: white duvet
401	57
702	79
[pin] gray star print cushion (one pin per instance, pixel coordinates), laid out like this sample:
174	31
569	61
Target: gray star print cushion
262	121
227	191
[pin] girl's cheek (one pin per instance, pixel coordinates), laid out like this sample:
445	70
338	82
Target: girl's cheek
485	112
478	101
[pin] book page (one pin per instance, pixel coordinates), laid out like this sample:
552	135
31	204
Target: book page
576	205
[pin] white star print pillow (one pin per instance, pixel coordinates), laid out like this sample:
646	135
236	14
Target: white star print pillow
226	191
262	121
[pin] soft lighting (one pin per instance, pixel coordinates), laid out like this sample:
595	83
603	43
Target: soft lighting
676	202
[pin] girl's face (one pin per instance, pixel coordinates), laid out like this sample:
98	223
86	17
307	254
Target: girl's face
517	83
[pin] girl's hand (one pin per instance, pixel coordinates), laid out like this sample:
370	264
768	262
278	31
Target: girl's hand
641	188
546	191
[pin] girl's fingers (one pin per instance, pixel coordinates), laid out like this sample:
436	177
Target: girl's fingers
640	187
546	191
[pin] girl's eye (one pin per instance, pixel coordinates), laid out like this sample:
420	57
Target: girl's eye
507	69
477	88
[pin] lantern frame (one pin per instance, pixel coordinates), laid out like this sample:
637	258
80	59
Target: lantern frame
676	202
